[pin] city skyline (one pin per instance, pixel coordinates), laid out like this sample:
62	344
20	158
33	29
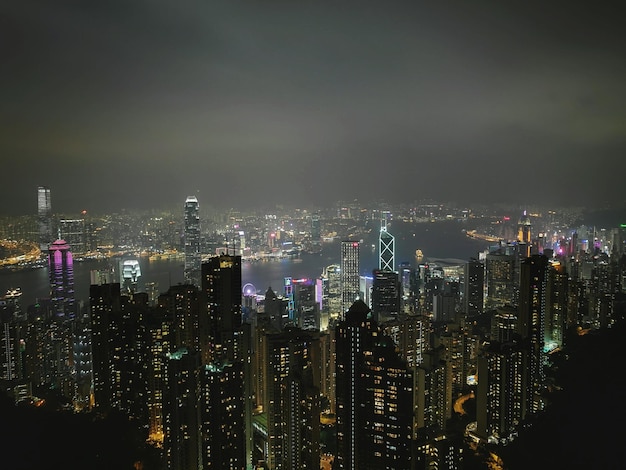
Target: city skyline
131	106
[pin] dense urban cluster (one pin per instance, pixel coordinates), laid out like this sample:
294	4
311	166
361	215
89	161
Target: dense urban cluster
420	365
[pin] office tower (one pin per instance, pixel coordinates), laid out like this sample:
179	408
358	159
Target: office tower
44	217
386	248
221	293
316	228
180	411
302	306
61	274
501	280
474	288
292	403
73	232
191	236
532	323
385	295
366	284
408	284
130	273
374	393
332	290
349	274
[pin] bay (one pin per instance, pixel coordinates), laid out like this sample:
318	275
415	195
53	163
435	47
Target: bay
442	241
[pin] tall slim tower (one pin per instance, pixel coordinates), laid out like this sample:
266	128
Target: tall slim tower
61	272
192	241
474	287
349	274
386	248
44	217
221	324
222	405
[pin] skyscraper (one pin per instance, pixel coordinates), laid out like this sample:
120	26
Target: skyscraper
221	323
386	248
292	402
44	217
349	274
223	414
374	392
192	241
61	272
385	295
474	287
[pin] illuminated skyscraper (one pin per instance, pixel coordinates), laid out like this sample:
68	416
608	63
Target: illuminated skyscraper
386	248
192	241
44	217
61	272
349	274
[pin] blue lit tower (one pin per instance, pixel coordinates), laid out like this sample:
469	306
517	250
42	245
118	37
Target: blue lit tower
61	272
386	248
44	217
192	241
349	274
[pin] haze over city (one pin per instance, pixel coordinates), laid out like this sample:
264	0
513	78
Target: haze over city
135	105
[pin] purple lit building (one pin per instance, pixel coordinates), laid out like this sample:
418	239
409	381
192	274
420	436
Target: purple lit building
61	272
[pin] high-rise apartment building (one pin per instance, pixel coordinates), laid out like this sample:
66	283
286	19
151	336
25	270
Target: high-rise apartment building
349	274
474	287
292	401
221	322
44	217
191	234
374	393
223	409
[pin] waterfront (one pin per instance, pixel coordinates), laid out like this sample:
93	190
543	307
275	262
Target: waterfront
443	242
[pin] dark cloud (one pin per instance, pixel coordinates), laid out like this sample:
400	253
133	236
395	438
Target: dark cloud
121	104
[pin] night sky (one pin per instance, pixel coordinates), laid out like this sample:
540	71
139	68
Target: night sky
137	104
